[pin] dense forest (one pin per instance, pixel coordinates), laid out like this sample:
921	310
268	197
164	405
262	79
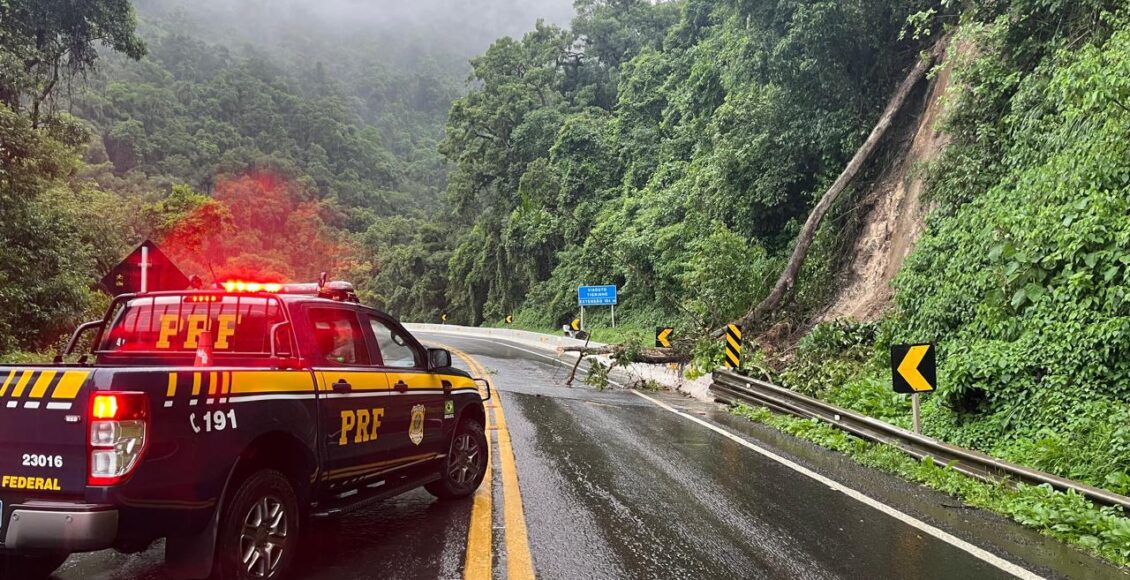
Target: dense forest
671	148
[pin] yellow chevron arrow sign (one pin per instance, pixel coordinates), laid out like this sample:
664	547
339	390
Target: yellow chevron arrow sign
663	336
914	368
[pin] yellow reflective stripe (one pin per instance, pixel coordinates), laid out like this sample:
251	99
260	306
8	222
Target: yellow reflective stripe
172	390
414	380
271	382
213	383
196	377
7	381
359	380
458	381
69	385
348	472
19	390
41	384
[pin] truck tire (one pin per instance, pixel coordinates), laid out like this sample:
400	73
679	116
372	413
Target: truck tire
14	565
466	463
259	529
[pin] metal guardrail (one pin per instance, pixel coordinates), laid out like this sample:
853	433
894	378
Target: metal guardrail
730	387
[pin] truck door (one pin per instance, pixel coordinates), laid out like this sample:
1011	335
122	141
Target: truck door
352	399
415	403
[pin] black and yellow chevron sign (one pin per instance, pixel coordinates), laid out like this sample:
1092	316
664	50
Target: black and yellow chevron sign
509	319
443	317
914	368
576	324
663	336
733	346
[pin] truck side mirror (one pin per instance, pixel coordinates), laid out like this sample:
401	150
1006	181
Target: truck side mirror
439	358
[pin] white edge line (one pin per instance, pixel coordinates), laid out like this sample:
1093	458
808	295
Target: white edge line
940	534
947	537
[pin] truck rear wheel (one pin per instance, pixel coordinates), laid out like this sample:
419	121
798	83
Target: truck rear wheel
259	529
466	463
15	565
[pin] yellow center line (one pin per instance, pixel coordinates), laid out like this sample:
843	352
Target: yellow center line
519	561
478	561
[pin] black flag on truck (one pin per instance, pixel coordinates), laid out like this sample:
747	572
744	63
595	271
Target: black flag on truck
161	274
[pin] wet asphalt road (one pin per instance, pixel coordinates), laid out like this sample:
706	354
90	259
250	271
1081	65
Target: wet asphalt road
615	486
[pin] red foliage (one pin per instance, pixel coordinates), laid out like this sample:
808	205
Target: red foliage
260	227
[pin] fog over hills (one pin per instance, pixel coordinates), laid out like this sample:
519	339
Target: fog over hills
403	29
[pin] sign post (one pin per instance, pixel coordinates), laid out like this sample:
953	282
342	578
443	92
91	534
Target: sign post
597	296
914	371
144	268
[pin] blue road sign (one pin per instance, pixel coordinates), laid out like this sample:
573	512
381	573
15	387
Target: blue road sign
596	295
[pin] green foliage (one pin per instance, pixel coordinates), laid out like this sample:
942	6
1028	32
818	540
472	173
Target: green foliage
407	259
51	250
727	275
1025	281
675	156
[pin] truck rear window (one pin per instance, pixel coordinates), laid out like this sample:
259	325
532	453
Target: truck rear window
178	324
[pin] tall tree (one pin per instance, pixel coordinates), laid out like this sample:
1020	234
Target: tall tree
45	42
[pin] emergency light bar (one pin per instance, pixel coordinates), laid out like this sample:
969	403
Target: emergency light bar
337	290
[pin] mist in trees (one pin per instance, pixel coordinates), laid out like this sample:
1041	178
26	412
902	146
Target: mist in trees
404	32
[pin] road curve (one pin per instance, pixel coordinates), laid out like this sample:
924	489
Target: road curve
612	484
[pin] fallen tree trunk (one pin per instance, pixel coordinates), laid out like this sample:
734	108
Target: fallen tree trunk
645	355
807	234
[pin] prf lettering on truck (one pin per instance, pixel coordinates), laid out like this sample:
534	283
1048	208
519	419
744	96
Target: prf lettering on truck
194	325
35	483
363	423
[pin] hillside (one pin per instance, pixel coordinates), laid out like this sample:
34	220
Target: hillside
893	210
1022	270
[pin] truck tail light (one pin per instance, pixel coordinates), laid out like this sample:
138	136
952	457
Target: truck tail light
119	426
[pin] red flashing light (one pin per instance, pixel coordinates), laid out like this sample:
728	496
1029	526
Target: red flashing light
240	286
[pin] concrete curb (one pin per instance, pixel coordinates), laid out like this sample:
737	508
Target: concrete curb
663	375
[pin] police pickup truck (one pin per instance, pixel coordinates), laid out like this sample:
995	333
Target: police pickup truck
222	420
